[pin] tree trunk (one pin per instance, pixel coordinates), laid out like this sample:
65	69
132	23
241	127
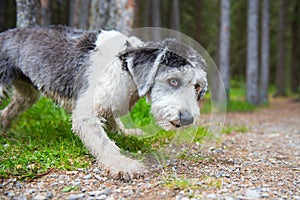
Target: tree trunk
295	68
281	62
156	18
175	20
112	14
147	13
197	17
252	53
45	12
74	13
224	41
264	75
3	9
79	17
27	13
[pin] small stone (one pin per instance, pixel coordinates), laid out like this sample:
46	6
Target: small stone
76	183
93	193
18	184
98	177
185	198
107	191
252	194
30	191
229	198
39	197
131	192
22	197
53	184
101	197
211	196
49	195
265	195
71	172
88	176
10	194
73	197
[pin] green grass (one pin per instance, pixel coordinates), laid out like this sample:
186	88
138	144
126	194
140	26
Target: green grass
231	129
183	183
237	102
41	139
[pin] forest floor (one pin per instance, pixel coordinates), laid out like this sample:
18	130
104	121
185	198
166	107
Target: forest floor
261	162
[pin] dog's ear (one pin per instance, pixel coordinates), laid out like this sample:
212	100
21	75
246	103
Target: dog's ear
142	63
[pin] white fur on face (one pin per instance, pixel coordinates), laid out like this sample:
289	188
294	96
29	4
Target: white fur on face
1	91
168	102
105	36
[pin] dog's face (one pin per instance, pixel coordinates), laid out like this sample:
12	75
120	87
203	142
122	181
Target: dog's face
172	77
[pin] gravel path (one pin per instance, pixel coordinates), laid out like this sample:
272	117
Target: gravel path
262	163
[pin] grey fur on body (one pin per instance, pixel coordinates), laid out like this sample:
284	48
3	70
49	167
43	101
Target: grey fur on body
98	76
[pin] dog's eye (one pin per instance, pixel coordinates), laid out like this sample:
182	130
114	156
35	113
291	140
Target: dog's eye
174	82
197	88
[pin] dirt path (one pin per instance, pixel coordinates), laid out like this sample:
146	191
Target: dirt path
261	163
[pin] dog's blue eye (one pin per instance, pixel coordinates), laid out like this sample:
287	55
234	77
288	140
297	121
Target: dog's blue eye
174	82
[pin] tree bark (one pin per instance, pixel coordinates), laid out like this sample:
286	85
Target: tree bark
79	17
264	75
112	14
156	15
252	53
147	13
156	18
224	41
281	57
295	68
27	13
197	17
45	12
74	13
175	21
3	9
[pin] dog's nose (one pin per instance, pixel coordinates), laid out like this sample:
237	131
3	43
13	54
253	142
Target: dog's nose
185	118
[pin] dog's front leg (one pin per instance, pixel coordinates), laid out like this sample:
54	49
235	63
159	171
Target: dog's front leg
90	129
127	131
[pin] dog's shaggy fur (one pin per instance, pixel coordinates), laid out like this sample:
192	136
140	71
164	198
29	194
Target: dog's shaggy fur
98	76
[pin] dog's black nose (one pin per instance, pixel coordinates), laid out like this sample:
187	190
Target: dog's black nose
185	118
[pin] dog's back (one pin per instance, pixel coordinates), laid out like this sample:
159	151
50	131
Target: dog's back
37	54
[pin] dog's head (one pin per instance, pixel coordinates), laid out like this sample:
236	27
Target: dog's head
171	75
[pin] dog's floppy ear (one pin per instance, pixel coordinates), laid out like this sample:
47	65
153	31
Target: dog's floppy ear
142	63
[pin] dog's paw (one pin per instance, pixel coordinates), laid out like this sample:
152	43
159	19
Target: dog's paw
126	170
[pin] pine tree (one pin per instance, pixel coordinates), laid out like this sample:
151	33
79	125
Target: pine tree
252	53
225	45
27	13
264	75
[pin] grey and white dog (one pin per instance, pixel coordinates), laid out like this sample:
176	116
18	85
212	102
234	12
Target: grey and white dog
98	76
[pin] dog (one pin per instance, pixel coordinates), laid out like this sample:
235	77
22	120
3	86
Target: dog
98	76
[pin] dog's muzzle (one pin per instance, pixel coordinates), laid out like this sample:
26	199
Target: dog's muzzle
184	119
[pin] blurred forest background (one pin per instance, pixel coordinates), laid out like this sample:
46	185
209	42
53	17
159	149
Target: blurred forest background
254	42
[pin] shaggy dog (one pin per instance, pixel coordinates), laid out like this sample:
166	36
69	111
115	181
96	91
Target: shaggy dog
98	76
